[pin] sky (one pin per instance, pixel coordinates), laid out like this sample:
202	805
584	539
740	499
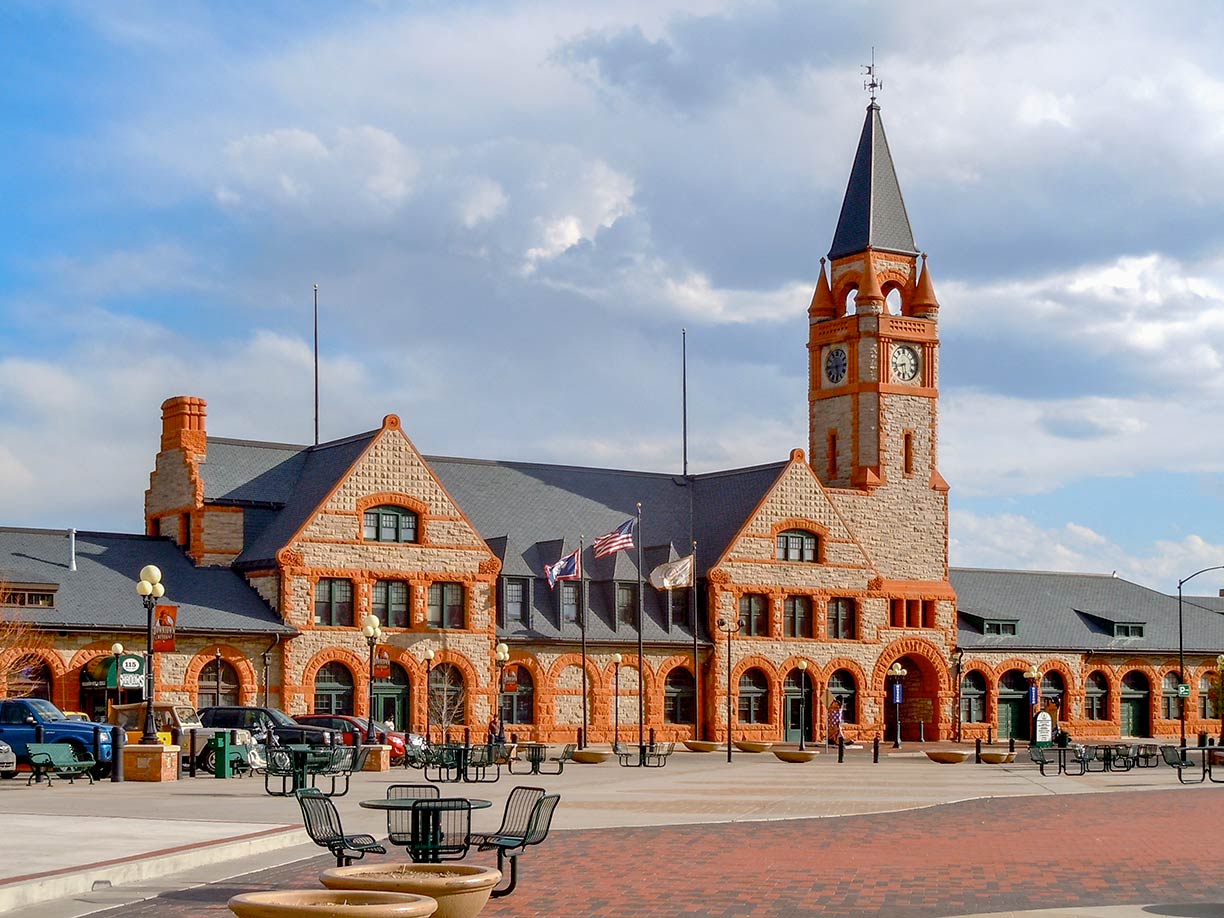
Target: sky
513	208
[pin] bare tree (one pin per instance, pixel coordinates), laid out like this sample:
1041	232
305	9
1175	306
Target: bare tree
18	641
447	697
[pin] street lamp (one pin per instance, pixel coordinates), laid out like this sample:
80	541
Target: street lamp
803	665
150	589
1032	675
728	627
218	661
117	650
372	629
501	653
957	659
1220	693
429	656
616	662
1181	647
897	672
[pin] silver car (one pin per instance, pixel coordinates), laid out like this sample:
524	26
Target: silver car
8	761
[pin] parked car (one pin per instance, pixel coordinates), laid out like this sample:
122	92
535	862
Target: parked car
267	725
8	761
179	720
20	719
349	725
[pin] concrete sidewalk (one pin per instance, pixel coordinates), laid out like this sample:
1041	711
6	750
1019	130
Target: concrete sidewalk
95	842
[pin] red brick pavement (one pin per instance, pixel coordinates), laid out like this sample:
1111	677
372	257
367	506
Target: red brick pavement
979	856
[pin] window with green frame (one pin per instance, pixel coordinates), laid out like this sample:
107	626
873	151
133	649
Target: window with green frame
333	602
518	702
389	524
1170	702
754	697
1208	697
1128	630
754	614
626	604
841	623
390	603
797	616
446	601
798	545
514	602
1096	697
973	697
679	697
333	692
571	602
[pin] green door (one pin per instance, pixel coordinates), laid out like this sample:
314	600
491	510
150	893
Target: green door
1013	719
391	699
797	705
1134	715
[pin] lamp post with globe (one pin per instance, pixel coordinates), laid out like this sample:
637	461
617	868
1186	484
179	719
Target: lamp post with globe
150	589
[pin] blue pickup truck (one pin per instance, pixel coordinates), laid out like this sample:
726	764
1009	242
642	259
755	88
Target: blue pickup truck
20	717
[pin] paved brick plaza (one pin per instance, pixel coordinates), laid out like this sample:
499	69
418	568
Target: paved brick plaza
975	857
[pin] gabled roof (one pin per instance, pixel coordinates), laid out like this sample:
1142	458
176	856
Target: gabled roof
1075	612
873	212
101	593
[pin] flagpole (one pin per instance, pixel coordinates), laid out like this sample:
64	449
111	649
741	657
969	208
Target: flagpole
684	396
696	670
641	662
582	625
316	361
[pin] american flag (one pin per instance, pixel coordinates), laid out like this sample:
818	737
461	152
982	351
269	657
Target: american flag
618	539
568	568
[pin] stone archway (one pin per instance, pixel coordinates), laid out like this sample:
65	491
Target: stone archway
920	699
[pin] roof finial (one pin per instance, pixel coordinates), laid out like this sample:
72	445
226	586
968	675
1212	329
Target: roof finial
872	84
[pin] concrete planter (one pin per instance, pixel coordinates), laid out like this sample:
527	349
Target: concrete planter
328	903
461	890
795	755
700	745
744	745
998	758
947	756
591	756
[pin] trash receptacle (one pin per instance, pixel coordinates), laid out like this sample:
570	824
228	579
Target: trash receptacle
221	754
1202	738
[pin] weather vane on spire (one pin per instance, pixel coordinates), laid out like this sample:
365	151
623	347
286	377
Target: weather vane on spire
872	84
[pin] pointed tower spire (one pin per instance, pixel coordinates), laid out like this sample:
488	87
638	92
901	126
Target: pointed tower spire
924	304
873	211
870	297
822	300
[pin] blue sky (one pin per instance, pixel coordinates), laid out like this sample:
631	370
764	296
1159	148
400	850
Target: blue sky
513	208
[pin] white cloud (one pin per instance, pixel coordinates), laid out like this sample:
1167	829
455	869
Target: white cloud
596	200
485	200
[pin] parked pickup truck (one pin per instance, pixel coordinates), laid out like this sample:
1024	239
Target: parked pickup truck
179	720
20	717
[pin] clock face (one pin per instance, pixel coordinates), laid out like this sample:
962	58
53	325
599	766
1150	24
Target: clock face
904	362
835	364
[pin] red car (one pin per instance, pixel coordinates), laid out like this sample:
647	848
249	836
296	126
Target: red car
348	725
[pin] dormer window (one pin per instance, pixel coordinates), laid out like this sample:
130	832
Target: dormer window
37	598
389	524
1128	630
797	545
1006	628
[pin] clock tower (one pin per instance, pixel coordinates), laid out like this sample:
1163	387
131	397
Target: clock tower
873	365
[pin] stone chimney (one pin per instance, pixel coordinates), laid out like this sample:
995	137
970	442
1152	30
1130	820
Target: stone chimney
183	424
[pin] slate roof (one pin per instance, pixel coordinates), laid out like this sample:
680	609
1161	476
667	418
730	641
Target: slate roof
101	593
873	211
1076	612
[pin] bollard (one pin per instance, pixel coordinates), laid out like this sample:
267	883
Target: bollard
990	735
652	739
191	753
467	737
875	750
841	749
514	737
922	731
1202	738
118	738
581	739
39	733
1011	744
977	751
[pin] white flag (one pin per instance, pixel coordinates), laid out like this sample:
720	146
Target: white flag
673	574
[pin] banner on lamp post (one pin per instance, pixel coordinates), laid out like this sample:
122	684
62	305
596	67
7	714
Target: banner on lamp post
164	620
382	665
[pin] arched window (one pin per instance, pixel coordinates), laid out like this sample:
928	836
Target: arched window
390	603
754	697
843	688
1209	697
1013	683
973	698
1096	697
1054	691
797	616
518	696
679	697
797	545
30	677
1170	704
389	524
333	689
754	615
446	695
219	687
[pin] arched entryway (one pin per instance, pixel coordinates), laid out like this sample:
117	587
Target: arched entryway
1013	706
391	696
333	692
99	688
217	684
517	697
30	678
919	701
797	706
1136	704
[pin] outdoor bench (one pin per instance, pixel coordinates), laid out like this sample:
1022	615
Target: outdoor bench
60	760
656	756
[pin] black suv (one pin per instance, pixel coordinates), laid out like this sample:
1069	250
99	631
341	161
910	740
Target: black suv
265	722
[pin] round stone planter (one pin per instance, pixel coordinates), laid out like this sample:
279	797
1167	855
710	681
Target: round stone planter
326	903
998	758
744	745
700	745
948	756
461	890
795	755
591	756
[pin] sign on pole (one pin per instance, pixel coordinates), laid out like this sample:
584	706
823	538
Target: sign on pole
131	671
1045	729
382	665
1183	690
164	618
896	691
